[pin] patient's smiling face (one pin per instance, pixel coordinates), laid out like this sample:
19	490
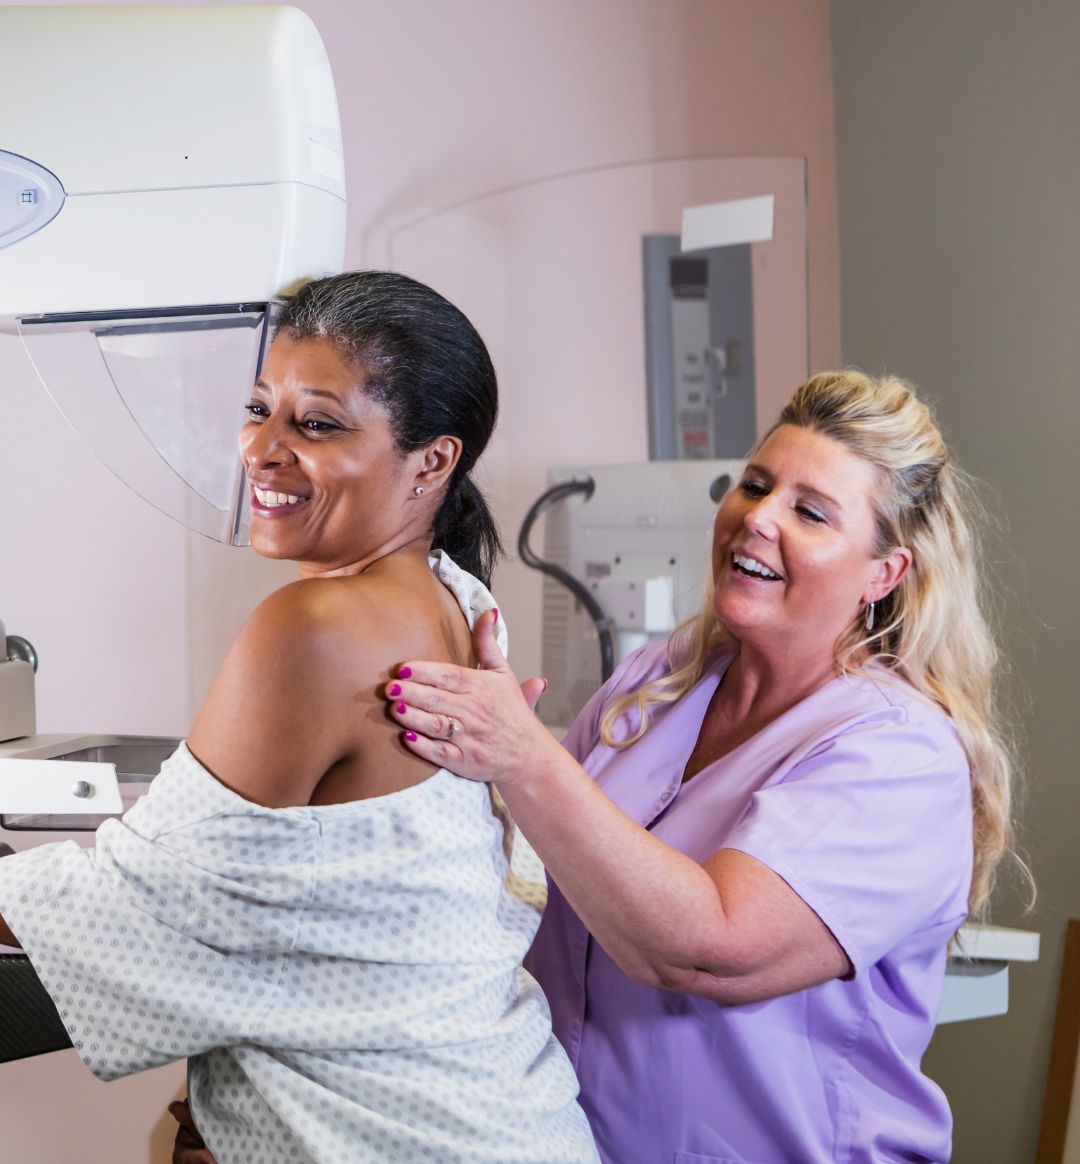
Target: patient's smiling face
329	487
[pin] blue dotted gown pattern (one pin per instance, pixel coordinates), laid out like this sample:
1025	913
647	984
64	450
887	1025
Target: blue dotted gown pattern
344	979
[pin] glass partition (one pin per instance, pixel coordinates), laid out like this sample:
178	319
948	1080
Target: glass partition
555	274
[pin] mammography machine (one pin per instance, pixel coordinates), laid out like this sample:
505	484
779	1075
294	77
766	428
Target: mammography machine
177	170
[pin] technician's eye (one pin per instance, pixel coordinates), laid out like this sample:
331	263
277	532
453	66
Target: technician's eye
256	411
810	514
753	488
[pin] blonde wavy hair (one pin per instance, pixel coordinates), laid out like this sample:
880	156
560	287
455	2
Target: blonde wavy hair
933	630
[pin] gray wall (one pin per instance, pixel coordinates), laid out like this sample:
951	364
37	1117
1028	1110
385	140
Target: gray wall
958	140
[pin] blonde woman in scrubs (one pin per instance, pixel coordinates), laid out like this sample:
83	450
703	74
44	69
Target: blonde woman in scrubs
761	835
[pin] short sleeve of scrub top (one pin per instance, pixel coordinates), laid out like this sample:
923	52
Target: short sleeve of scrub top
862	827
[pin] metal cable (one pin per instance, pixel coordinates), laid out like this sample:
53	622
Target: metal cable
603	624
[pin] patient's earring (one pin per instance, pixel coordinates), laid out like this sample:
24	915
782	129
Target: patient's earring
419	491
869	623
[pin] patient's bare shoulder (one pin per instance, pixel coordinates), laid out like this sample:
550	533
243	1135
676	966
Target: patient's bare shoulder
296	713
277	716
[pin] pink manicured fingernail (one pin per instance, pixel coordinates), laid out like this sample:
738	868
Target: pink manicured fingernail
411	737
545	683
401	709
404	672
496	615
394	689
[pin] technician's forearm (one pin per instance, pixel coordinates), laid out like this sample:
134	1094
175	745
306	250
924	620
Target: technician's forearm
653	909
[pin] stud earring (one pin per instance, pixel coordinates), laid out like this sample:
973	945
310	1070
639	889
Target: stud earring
869	623
419	491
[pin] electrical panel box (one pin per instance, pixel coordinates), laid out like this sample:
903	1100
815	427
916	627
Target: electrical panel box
699	341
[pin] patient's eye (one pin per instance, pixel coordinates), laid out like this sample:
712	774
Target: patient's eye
315	424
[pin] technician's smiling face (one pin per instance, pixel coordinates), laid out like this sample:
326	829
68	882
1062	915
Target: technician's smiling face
793	561
329	488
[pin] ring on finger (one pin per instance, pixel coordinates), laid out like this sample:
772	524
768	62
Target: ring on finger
452	727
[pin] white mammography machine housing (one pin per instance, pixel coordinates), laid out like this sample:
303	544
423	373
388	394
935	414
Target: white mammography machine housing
175	170
165	175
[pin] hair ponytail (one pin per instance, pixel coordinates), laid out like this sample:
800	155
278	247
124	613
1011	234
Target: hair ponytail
465	529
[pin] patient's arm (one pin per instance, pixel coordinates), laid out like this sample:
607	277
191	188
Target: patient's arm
7	938
189	1147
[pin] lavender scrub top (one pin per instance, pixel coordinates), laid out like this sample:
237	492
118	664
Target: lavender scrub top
859	798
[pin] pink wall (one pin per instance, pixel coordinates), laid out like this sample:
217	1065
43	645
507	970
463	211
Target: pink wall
444	101
551	274
496	92
440	99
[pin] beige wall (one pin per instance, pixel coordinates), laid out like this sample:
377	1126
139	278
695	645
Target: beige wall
441	99
958	176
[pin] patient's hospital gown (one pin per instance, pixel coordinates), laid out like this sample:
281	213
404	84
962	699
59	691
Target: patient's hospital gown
344	979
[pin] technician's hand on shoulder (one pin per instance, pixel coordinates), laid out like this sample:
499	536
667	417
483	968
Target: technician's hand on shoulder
479	723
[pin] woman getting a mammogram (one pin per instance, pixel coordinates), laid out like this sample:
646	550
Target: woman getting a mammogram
314	917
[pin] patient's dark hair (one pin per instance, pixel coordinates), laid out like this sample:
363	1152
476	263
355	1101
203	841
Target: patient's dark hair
426	364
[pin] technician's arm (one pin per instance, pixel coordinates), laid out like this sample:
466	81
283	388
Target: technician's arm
730	930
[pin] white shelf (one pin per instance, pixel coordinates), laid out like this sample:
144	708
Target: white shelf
994	943
977	974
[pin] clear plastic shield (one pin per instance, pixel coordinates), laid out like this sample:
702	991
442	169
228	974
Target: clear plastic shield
159	397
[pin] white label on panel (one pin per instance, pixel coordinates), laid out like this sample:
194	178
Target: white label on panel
725	224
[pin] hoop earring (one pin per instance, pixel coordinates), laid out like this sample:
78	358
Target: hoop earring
869	621
419	491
